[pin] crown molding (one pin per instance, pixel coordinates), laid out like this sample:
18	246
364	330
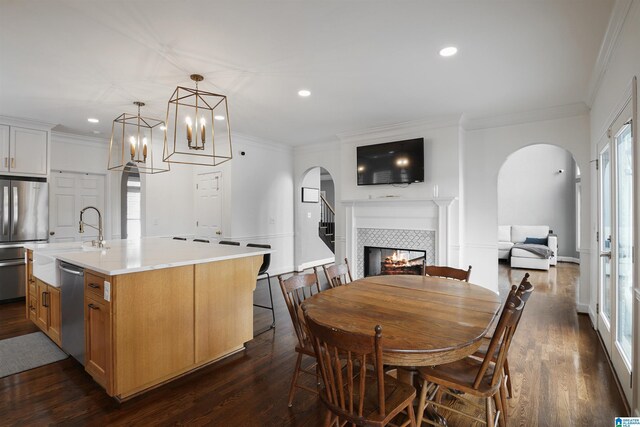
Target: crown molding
402	128
73	138
19	121
317	147
614	28
551	113
258	142
625	98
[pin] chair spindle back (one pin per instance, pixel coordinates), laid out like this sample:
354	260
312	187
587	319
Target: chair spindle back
295	290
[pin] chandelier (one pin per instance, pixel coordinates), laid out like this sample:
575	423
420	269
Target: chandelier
136	142
198	131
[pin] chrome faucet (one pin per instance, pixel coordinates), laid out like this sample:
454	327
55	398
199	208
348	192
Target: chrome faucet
100	242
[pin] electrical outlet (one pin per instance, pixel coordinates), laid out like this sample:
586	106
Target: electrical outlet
308	214
272	220
107	291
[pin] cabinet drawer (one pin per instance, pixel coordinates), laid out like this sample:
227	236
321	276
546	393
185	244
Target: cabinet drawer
94	284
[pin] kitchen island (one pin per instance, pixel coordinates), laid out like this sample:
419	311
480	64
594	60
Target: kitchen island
156	309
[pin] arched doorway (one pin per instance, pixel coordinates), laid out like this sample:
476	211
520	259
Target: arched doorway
540	185
315	218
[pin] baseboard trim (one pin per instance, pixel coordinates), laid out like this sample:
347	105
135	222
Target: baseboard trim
569	259
593	317
582	308
627	407
315	263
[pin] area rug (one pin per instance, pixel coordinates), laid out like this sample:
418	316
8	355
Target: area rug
27	352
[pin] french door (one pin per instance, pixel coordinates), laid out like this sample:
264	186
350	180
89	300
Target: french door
615	243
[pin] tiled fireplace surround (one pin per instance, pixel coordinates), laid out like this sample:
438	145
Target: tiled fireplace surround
398	223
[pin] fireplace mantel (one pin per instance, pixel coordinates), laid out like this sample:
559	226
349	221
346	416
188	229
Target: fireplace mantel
396	213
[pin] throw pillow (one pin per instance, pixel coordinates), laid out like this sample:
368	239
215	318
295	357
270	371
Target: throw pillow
536	241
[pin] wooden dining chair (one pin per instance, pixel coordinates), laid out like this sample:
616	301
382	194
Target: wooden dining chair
338	274
480	378
523	291
295	290
356	389
447	272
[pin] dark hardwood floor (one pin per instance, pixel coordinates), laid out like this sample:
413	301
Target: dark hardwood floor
561	376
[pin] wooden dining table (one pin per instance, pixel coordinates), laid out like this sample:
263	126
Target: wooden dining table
425	320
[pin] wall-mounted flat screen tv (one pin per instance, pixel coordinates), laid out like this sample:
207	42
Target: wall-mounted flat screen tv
400	162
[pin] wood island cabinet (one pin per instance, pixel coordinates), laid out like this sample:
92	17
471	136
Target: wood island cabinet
143	329
31	291
161	324
97	330
48	315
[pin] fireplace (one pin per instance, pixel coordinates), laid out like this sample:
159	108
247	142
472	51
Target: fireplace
386	261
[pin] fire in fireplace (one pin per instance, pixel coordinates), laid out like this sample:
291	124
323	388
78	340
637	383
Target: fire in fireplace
382	261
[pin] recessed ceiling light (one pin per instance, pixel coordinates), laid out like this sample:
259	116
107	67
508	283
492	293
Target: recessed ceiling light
218	117
92	120
163	128
448	51
304	93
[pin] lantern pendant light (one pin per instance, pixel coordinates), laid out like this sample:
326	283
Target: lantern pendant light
198	131
134	141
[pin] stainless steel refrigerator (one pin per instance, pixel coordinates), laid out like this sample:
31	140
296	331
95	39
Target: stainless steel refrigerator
24	217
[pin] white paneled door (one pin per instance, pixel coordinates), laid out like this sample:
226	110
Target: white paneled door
68	194
209	204
615	200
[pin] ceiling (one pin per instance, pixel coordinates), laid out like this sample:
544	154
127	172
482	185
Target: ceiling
366	63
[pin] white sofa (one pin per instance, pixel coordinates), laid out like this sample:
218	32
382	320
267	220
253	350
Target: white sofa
509	235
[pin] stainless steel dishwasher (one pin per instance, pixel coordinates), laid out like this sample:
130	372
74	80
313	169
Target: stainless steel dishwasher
72	305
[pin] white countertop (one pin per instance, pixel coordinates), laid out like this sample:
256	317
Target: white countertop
130	256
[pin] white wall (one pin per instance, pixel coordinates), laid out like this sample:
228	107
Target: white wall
531	191
485	151
614	88
313	250
168	202
258	197
327	156
623	65
441	167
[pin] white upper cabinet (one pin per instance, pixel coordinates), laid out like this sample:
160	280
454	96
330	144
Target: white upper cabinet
24	152
4	148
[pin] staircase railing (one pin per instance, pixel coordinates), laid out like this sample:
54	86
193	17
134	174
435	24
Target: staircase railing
327	225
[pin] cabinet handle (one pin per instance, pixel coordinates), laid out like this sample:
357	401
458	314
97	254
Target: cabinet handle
13	162
93	307
94	286
44	299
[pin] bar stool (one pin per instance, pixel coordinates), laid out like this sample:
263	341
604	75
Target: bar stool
266	261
